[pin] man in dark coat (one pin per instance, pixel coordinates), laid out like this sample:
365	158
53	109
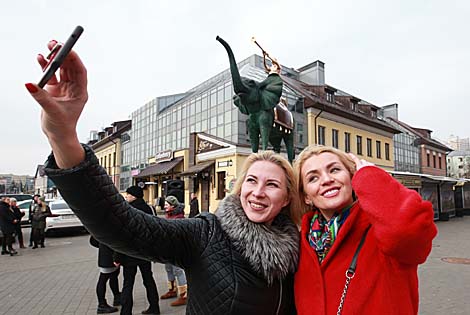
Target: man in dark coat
7	224
193	206
134	197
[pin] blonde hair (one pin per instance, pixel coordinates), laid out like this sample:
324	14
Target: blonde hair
307	153
277	159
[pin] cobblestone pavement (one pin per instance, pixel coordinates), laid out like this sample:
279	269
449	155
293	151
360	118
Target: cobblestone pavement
61	278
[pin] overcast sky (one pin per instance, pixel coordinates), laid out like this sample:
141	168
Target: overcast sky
414	53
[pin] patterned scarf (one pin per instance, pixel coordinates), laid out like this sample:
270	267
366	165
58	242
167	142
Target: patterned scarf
323	233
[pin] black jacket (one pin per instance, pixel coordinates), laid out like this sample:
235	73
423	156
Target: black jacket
233	265
105	254
6	218
126	260
193	208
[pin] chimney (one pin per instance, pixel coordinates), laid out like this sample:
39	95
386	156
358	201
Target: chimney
313	73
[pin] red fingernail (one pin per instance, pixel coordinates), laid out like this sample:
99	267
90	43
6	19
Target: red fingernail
31	88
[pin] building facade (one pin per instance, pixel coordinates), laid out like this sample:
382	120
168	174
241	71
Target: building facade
198	140
458	164
107	147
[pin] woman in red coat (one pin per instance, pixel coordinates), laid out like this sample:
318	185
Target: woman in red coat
348	200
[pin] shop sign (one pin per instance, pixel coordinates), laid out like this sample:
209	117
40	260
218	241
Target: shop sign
164	156
224	163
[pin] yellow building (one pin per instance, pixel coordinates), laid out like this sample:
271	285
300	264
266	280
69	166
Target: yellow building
107	148
338	119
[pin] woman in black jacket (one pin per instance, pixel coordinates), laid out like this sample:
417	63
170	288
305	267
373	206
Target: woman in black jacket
109	273
239	261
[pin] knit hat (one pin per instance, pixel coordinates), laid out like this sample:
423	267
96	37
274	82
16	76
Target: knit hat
135	191
172	201
42	198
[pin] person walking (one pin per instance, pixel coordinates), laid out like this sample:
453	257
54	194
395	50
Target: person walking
7	225
134	195
363	236
109	273
18	215
193	206
177	284
38	223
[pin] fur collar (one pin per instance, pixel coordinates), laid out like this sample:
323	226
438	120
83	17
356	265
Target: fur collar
272	251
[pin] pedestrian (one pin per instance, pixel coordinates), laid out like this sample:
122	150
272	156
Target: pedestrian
356	213
109	273
38	223
32	208
177	284
134	195
18	215
193	206
7	225
240	260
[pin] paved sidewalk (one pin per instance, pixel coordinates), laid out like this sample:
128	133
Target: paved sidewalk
61	278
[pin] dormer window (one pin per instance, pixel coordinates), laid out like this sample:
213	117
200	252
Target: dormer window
353	106
330	97
373	113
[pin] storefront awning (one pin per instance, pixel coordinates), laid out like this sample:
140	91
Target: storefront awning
192	170
160	168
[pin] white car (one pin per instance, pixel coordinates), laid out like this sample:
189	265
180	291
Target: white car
63	218
24	207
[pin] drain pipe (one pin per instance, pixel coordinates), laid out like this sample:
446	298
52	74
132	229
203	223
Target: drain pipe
315	125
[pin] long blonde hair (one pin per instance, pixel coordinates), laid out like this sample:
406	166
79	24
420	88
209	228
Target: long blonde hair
279	160
307	153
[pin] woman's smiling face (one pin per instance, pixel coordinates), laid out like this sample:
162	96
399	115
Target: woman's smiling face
264	192
327	183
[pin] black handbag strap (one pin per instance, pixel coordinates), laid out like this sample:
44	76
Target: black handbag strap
352	267
351	270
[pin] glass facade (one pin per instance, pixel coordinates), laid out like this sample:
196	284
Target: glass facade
166	122
406	153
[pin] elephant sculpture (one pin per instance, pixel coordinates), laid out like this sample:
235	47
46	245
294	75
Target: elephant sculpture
268	117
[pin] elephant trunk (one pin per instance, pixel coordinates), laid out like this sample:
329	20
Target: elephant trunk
238	85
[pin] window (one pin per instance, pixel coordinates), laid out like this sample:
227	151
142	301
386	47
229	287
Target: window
359	145
369	147
330	97
321	135
387	151
378	148
440	163
434	161
334	138
347	142
220	185
428	160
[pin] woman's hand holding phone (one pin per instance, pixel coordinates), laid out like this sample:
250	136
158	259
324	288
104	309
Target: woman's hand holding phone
62	102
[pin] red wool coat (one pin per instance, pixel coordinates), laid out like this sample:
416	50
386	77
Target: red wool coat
386	280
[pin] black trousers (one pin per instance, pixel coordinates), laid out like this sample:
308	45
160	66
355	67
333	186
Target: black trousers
129	273
101	285
7	242
19	233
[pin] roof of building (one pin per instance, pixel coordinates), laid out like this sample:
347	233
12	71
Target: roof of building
420	133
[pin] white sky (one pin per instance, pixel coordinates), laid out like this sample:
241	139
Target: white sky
414	53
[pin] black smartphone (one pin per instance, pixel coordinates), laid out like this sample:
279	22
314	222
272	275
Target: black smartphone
58	54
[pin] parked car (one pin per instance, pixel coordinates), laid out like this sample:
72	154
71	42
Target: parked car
63	217
18	197
24	207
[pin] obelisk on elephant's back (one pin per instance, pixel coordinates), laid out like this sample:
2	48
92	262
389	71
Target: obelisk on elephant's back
261	102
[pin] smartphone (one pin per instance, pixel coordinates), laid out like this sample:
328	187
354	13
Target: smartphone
57	56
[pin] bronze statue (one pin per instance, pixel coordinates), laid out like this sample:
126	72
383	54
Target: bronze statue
261	101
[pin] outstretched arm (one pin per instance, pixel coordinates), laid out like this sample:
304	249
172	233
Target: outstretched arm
62	102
